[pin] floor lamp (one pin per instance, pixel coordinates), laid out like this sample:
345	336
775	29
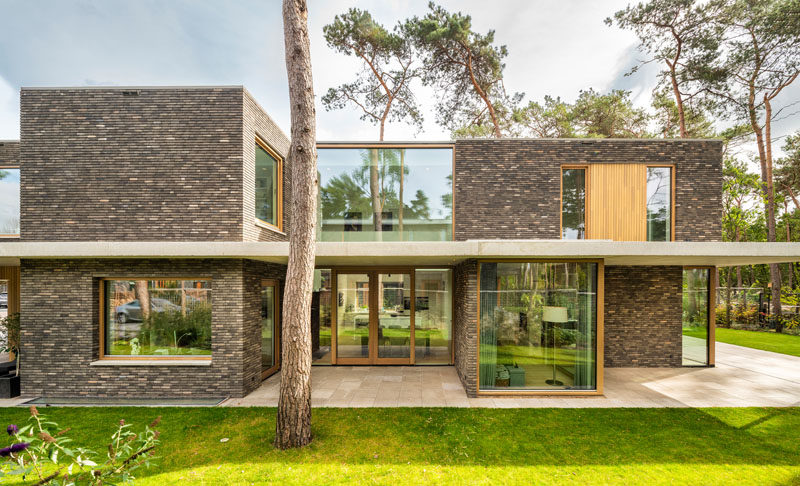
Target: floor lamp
554	315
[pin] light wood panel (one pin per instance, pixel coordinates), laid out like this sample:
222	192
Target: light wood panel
617	206
11	274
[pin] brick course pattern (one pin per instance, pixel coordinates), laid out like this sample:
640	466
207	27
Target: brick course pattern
465	324
642	316
9	152
61	330
510	189
128	164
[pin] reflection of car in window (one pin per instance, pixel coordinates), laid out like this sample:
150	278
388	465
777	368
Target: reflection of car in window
132	311
4	300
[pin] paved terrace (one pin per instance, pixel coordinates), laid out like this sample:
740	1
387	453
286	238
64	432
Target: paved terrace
743	377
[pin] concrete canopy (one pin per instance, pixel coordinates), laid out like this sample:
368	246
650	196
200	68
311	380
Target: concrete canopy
420	253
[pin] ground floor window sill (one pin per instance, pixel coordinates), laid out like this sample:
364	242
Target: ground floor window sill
151	362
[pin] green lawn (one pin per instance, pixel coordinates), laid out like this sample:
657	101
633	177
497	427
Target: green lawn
768	341
461	446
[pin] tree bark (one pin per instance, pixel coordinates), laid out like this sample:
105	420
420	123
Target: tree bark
143	295
293	425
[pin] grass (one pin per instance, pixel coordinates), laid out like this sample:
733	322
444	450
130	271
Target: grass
460	446
767	341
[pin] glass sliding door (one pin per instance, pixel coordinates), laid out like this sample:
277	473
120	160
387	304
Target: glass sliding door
353	317
695	321
321	317
433	316
538	326
270	330
394	317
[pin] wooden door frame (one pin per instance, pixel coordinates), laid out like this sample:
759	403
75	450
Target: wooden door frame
373	271
276	331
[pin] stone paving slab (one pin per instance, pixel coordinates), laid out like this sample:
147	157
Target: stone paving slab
743	377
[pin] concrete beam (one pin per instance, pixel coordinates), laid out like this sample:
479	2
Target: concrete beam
421	253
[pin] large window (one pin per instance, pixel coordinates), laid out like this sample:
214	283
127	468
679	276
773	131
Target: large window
659	203
9	202
696	316
433	316
385	194
268	185
538	326
157	318
573	203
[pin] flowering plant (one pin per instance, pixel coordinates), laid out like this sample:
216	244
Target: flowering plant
42	449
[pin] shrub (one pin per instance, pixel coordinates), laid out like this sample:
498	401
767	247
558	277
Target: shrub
11	325
42	449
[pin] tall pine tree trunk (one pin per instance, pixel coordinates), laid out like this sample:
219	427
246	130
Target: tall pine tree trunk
293	426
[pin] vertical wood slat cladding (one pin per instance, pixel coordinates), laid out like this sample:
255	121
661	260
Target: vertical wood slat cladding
11	274
509	188
617	200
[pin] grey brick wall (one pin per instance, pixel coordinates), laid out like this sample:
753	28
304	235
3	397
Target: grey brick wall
257	122
61	329
166	164
9	152
642	316
509	189
465	324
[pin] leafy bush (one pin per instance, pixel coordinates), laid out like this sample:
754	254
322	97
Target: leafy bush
173	329
11	325
42	449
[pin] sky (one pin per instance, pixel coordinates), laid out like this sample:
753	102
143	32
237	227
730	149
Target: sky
556	48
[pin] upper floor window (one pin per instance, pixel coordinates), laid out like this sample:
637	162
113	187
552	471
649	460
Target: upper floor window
659	203
269	185
9	202
573	203
385	193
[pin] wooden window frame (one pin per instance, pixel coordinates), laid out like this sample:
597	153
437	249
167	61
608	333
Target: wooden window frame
586	175
600	344
279	186
672	170
116	357
276	337
16	167
370	270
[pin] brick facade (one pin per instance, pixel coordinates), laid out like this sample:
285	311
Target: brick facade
61	330
465	324
510	188
9	152
642	316
153	164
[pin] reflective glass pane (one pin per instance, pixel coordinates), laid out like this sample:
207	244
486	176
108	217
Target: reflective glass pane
352	315
9	202
659	205
695	316
157	317
268	328
321	317
394	315
376	194
433	316
538	326
573	204
266	186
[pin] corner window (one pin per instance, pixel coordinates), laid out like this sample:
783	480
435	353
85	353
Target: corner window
573	203
156	318
659	204
269	190
696	318
9	202
538	326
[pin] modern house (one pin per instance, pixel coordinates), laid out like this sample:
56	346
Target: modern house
144	241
